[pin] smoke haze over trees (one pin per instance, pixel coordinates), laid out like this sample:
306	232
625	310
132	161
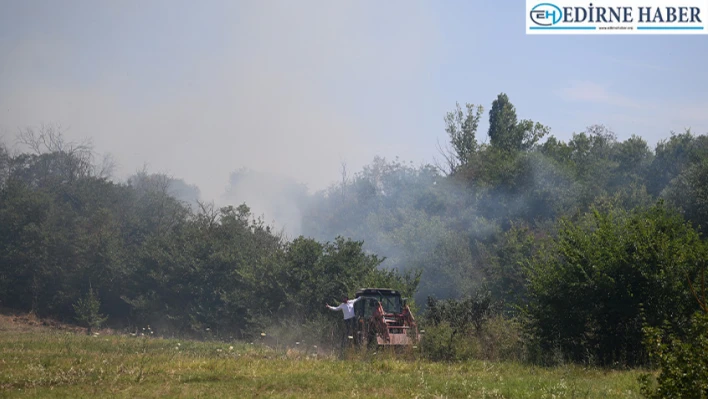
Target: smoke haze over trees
587	238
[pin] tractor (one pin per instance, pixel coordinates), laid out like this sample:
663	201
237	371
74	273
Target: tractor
383	318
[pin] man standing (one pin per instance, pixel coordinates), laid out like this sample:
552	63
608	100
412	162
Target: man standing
347	308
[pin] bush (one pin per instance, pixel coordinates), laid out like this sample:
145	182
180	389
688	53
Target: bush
502	339
683	361
461	314
442	342
470	329
497	339
605	277
88	311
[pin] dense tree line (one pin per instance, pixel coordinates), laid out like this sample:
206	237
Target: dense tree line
67	230
584	243
587	241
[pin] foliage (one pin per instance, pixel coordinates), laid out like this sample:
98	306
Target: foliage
88	311
199	272
509	134
498	339
565	234
463	314
607	275
462	131
451	325
681	357
689	192
507	262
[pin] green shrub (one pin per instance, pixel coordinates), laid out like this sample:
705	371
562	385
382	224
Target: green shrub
683	361
497	339
501	339
88	311
605	277
443	342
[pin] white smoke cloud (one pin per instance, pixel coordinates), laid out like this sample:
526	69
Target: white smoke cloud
291	89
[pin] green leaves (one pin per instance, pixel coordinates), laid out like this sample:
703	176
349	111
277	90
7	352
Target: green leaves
462	131
87	311
608	274
508	134
682	359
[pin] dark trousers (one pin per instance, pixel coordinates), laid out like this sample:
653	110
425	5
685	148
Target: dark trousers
349	330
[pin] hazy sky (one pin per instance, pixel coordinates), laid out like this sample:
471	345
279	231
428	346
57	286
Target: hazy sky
200	89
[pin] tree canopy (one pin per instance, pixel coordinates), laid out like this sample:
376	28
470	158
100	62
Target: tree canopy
589	239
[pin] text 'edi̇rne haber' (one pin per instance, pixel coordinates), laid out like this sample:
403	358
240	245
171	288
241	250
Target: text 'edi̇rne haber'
632	14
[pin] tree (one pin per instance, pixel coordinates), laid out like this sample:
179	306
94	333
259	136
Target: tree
681	357
4	164
605	276
462	131
689	192
507	133
633	157
59	157
503	133
673	156
506	264
88	311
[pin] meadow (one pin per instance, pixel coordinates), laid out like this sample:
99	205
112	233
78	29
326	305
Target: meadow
46	361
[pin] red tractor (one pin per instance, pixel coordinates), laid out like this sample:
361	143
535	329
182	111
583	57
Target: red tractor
384	319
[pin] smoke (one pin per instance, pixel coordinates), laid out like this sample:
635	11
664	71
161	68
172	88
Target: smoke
410	215
260	103
276	199
420	220
281	93
286	89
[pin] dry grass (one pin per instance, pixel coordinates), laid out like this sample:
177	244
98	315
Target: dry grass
58	361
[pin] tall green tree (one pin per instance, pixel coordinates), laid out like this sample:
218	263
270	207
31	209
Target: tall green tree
506	132
503	132
461	129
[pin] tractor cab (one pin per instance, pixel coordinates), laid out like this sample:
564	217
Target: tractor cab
391	301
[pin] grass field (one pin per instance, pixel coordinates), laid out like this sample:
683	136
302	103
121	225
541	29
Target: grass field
47	362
